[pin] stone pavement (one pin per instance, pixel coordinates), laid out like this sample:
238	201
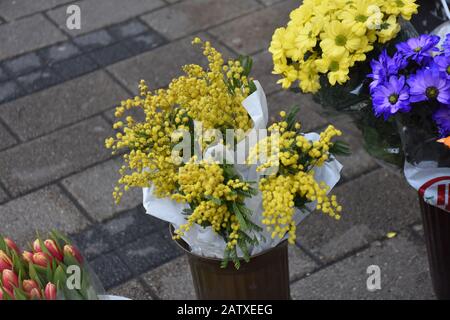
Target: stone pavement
58	89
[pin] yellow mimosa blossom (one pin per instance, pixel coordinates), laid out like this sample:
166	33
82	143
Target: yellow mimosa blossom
328	29
293	183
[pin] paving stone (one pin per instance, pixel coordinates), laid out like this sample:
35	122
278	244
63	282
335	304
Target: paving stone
270	2
13	9
93	189
262	71
132	290
160	65
101	13
39	80
42	211
6	139
27	34
3	195
132	225
150	252
128	29
58	53
374	204
144	42
404	275
66	103
94	40
110	270
3	75
418	230
172	281
54	156
92	242
299	263
23	64
259	28
9	90
184	18
111	54
359	162
285	100
75	67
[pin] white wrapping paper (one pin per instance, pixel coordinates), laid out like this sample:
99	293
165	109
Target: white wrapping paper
204	241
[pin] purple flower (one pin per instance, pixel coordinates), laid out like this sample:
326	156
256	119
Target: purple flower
443	64
442	119
419	49
385	67
391	97
428	85
446	45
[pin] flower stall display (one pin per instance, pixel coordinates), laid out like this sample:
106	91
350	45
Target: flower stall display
412	88
326	49
211	193
52	269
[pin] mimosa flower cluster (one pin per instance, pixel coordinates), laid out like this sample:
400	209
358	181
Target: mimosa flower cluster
328	37
212	96
215	193
415	79
293	184
40	274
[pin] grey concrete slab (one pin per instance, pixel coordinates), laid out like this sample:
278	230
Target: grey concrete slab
102	13
6	139
373	205
184	18
13	9
42	211
93	189
133	290
404	275
27	34
59	106
259	27
54	156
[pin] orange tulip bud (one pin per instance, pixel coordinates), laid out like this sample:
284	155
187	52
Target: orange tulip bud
5	261
29	285
53	249
71	250
27	256
10	280
12	245
37	246
35	294
41	259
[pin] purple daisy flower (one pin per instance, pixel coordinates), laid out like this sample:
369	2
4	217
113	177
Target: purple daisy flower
419	49
385	67
429	84
443	64
442	119
446	45
391	97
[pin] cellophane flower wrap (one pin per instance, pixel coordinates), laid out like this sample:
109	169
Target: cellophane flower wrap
326	49
53	269
411	87
212	193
